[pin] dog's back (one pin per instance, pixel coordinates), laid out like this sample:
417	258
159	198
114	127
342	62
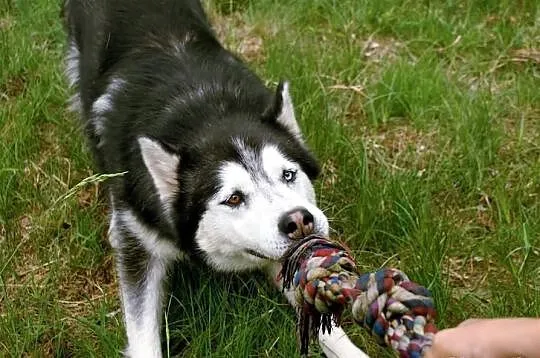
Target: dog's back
153	52
104	32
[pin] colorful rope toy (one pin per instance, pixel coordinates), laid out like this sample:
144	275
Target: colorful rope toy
324	276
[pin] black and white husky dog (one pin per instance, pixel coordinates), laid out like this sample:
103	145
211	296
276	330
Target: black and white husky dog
215	164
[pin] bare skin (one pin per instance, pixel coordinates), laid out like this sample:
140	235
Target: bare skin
489	338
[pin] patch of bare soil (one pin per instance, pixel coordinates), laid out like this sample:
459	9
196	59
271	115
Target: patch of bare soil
53	170
88	195
470	273
3	233
330	174
375	51
80	288
6	23
526	55
13	87
244	39
47	345
522	126
400	147
478	219
25	266
381	49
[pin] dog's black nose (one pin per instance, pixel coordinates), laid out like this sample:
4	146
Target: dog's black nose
297	223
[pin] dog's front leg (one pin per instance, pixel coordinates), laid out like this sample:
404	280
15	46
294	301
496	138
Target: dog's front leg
142	274
335	344
142	293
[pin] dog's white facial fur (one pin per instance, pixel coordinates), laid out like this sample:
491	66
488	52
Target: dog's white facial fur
245	236
227	234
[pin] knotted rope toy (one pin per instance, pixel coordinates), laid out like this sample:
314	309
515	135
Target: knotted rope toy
325	280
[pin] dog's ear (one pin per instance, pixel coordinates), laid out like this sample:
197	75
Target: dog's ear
162	164
283	110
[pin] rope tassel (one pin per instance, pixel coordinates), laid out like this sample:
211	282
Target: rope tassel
325	280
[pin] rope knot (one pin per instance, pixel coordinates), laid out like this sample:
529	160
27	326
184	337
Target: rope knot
325	280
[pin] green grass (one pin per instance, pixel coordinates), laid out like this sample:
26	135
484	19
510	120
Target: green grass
424	114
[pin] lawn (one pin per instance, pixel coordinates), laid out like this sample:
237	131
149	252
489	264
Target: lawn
425	116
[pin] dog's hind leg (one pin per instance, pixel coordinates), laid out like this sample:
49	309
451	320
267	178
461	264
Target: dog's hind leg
142	260
335	344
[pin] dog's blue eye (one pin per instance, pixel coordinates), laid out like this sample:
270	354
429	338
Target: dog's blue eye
289	175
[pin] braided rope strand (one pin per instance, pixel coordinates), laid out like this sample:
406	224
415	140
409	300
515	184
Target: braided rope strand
325	280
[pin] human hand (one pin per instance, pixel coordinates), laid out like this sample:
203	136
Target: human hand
494	338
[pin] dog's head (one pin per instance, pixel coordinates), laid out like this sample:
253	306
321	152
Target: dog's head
244	193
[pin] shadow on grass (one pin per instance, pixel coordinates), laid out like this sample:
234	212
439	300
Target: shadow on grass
220	314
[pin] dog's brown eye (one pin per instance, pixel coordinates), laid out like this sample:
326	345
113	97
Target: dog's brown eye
235	199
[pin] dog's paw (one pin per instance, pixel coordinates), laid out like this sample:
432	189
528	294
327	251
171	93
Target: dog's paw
338	345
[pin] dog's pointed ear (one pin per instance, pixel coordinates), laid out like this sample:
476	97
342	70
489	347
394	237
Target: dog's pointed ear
162	164
283	110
